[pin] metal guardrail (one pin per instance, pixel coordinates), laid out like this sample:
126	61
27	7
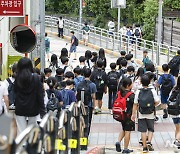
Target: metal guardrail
63	136
117	42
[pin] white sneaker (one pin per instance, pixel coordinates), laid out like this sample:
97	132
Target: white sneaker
96	110
99	110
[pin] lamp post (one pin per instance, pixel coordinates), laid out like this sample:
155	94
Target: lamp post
159	30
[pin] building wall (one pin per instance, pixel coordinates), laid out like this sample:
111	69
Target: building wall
6	24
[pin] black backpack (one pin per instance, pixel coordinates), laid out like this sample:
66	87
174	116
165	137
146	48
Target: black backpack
137	32
11	94
166	86
112	80
76	41
53	102
84	86
174	103
146	101
99	82
173	64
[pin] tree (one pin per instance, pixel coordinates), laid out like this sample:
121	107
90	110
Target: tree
149	16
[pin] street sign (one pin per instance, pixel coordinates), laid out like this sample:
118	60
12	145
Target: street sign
12	8
118	4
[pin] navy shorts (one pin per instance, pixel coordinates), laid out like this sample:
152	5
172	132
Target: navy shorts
176	121
99	95
73	49
164	99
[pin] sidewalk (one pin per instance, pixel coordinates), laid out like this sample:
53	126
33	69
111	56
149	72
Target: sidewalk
105	131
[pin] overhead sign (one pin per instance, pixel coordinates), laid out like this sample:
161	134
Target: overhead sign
12	8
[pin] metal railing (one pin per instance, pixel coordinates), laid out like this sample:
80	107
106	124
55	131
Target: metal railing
65	135
117	41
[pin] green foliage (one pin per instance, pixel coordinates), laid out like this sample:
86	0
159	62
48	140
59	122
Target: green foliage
174	4
150	13
99	12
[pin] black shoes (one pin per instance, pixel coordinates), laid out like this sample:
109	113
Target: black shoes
127	151
165	114
145	150
118	146
149	146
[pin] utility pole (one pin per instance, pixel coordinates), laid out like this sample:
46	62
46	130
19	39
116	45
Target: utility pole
80	17
42	32
119	17
159	30
80	12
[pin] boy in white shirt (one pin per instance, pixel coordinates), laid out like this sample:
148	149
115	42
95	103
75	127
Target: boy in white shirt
145	101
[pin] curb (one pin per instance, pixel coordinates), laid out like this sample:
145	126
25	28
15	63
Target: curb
97	150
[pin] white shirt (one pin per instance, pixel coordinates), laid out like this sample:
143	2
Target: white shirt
3	92
123	30
111	26
156	99
61	23
6	83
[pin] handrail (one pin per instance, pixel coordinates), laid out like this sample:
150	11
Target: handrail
118	42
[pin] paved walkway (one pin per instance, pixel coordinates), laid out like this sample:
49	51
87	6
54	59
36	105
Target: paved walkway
105	130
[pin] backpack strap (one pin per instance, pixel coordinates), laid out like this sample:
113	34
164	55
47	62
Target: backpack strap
9	81
128	94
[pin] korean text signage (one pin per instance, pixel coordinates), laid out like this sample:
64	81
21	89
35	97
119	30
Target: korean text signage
12	8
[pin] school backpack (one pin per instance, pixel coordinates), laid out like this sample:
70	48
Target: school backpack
119	107
84	86
99	82
76	41
137	32
167	85
173	64
53	103
47	43
65	97
11	94
112	80
128	33
122	72
174	103
146	101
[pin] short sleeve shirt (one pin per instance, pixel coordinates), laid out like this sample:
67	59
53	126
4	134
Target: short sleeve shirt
156	99
166	76
93	91
73	38
72	96
3	92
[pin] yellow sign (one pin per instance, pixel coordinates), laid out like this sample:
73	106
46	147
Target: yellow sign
59	145
83	141
72	143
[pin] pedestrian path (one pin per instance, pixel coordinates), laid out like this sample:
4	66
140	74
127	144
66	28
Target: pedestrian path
105	130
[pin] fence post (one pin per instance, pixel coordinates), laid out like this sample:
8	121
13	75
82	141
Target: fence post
136	47
94	35
51	22
144	44
152	51
101	39
107	40
168	54
113	40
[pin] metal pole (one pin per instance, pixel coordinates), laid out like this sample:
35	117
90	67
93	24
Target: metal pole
80	12
80	17
42	33
159	29
119	17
